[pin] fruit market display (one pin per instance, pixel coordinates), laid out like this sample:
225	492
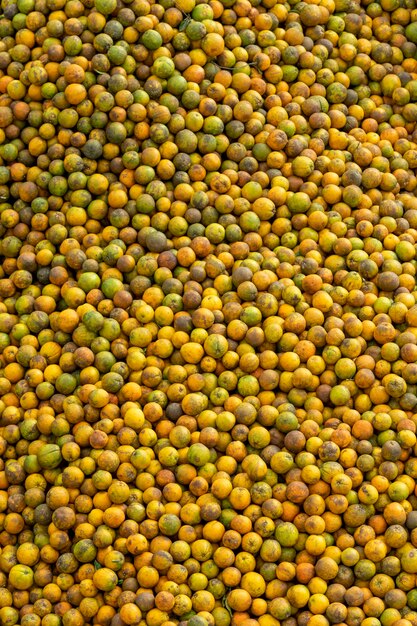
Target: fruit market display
208	313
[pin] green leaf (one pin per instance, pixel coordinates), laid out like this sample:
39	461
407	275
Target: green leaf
183	25
225	602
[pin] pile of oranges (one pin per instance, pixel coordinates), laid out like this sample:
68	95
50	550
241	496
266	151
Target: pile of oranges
208	313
